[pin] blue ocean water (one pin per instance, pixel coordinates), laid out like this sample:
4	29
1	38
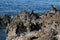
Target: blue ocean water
15	6
2	34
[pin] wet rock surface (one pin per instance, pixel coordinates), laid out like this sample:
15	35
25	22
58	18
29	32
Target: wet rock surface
30	26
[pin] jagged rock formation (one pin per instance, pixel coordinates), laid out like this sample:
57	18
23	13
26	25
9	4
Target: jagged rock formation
30	26
53	9
4	20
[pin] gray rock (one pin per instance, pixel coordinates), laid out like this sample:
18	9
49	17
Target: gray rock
29	26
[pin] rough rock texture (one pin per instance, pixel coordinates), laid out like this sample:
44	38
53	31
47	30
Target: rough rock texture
4	20
30	26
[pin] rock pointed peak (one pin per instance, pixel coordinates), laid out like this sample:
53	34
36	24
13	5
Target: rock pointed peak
5	16
32	11
53	9
27	12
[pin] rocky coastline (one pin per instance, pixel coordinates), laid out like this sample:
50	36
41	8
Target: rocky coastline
30	26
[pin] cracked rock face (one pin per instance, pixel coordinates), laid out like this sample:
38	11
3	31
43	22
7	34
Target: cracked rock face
30	26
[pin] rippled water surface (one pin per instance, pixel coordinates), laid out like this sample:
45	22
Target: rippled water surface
2	34
14	6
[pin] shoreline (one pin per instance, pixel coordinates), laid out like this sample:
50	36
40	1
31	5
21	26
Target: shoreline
29	26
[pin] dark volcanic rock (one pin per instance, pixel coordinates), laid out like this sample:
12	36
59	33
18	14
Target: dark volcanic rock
4	20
